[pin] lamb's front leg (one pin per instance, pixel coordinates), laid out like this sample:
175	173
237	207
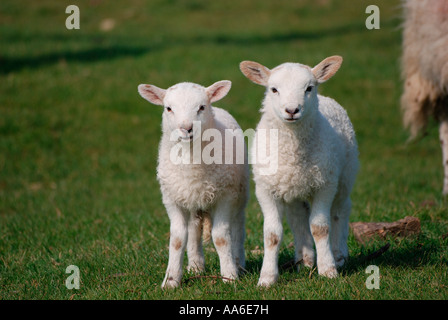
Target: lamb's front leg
320	229
178	241
443	133
222	239
273	233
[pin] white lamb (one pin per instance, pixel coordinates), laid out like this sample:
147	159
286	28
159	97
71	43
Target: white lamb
193	191
317	164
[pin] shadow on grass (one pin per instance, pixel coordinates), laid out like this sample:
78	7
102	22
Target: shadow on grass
102	52
285	262
410	253
10	64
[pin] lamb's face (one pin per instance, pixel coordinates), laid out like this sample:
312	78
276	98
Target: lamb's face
291	88
187	110
291	92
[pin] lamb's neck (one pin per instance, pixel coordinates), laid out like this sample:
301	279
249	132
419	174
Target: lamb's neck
189	153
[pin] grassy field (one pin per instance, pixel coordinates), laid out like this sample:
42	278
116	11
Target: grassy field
78	145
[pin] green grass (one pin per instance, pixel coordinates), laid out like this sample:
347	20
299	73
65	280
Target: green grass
78	146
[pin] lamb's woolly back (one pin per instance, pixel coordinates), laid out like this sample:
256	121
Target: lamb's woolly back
424	63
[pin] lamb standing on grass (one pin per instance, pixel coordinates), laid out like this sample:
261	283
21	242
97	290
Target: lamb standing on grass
317	163
425	70
193	191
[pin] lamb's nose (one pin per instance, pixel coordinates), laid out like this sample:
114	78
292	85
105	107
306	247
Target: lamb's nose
188	129
292	111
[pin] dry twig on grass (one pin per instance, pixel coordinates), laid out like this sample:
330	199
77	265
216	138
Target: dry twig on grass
364	231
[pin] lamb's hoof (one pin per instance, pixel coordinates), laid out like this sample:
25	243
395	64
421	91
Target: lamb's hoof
229	278
330	272
267	280
170	283
308	261
196	268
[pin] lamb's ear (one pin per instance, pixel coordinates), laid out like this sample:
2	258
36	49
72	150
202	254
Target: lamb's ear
218	90
327	68
152	93
255	72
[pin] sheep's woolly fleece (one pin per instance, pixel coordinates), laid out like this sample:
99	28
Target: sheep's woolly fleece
425	63
198	186
311	154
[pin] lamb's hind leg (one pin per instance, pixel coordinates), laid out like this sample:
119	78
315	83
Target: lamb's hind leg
340	214
298	214
238	235
194	243
443	133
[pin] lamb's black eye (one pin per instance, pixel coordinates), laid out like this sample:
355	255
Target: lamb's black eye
274	90
168	109
201	108
309	88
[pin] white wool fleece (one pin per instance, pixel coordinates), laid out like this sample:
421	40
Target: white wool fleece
317	165
425	70
194	191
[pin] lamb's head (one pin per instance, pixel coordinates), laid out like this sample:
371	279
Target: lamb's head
186	104
291	88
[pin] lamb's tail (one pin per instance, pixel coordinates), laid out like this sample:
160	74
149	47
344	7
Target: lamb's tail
206	227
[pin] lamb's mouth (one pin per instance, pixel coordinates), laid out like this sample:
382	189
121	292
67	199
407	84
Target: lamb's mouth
291	119
189	138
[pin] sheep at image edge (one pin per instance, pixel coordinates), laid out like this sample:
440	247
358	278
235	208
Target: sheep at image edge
316	169
425	70
195	192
